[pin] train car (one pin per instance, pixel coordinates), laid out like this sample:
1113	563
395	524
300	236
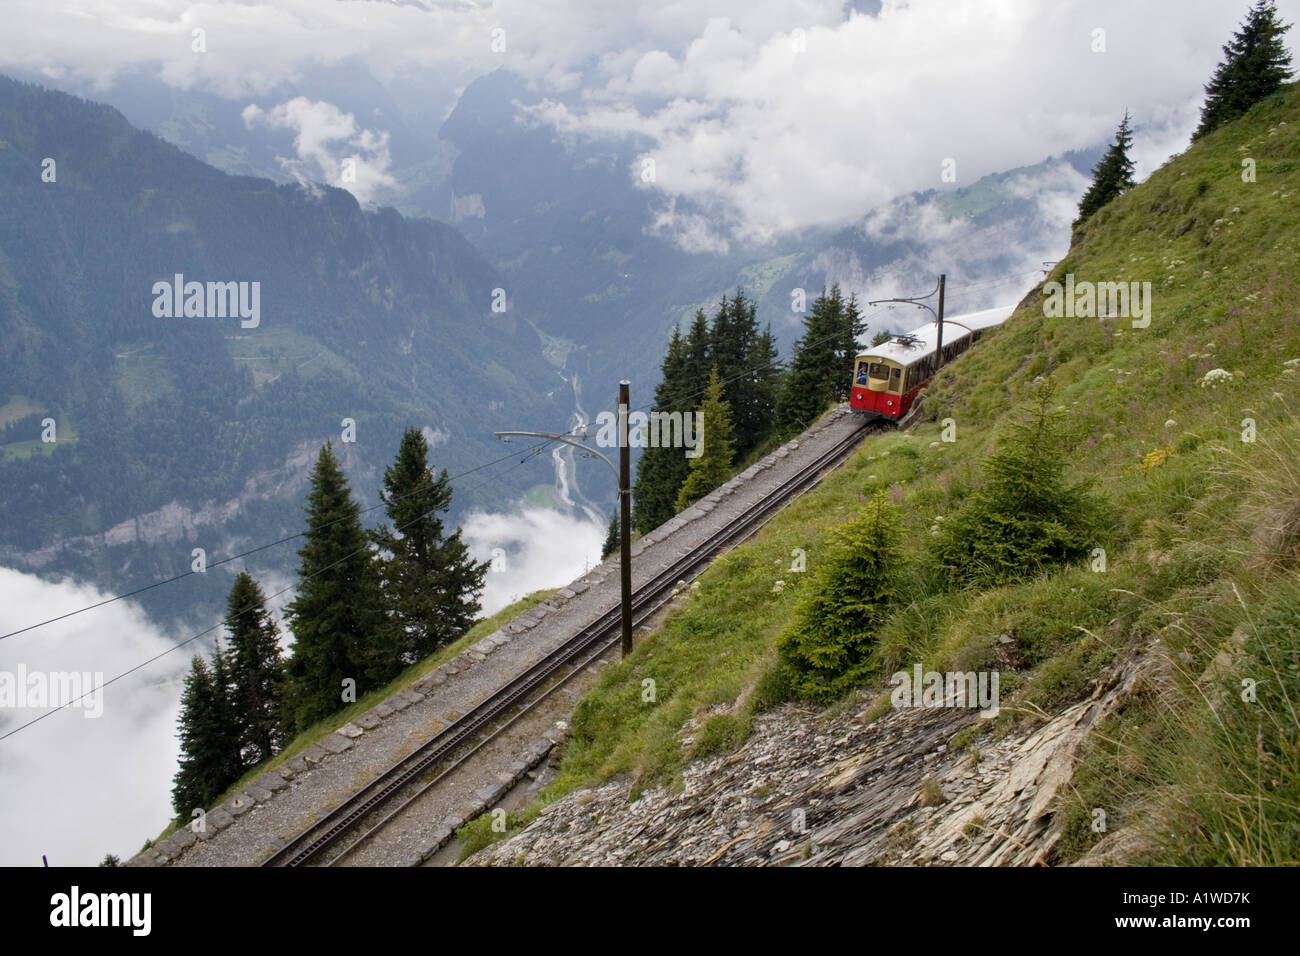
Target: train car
888	378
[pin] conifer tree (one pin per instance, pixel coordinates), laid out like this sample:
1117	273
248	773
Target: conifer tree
767	378
335	615
614	539
430	582
697	360
827	648
661	471
1111	177
1255	65
713	466
822	365
257	670
734	343
209	734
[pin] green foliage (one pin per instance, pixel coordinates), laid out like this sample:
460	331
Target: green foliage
335	616
209	733
1111	177
822	366
257	670
742	359
827	648
1256	63
661	470
749	372
1025	516
713	466
614	539
430	582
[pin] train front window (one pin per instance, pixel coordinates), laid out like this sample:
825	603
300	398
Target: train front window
896	380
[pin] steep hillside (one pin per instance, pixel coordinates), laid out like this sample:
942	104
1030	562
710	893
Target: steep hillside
363	315
1149	665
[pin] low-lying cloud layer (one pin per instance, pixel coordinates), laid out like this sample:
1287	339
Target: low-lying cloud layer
75	786
530	549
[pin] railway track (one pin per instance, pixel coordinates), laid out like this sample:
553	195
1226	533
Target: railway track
369	810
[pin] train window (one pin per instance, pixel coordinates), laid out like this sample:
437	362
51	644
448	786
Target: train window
879	370
896	380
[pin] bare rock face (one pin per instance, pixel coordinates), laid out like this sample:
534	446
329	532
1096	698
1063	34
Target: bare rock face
807	790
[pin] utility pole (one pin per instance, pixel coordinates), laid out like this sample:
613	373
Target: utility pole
938	349
938	316
625	506
623	475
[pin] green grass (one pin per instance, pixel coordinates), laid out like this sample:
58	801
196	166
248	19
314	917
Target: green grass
1202	563
319	731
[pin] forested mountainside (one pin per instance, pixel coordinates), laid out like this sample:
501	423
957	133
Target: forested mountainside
360	314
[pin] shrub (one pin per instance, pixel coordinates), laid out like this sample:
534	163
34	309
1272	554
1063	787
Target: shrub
1025	517
826	649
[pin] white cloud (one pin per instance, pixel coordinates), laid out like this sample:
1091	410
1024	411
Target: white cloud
330	147
534	548
752	135
78	787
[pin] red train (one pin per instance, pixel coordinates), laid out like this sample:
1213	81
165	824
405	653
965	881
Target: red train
888	377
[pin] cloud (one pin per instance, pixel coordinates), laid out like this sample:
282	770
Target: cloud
330	147
763	117
531	549
78	787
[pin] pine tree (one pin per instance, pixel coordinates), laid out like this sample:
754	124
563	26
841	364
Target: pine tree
614	539
822	366
734	343
1025	516
713	466
335	616
661	471
1111	177
850	328
827	648
768	373
257	670
209	733
697	360
431	584
1256	64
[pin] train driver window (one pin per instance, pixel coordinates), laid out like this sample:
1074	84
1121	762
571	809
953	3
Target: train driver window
862	373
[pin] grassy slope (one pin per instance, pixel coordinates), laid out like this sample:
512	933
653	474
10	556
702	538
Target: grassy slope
1200	572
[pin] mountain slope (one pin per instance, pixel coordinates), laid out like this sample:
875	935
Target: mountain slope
363	315
1181	624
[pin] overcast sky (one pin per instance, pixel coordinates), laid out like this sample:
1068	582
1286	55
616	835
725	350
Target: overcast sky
768	116
771	116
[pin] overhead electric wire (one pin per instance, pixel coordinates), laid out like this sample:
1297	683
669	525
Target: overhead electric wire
244	554
221	623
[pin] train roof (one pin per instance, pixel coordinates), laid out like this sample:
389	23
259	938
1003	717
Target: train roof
925	338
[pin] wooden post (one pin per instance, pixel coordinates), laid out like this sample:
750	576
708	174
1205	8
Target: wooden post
938	349
625	506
